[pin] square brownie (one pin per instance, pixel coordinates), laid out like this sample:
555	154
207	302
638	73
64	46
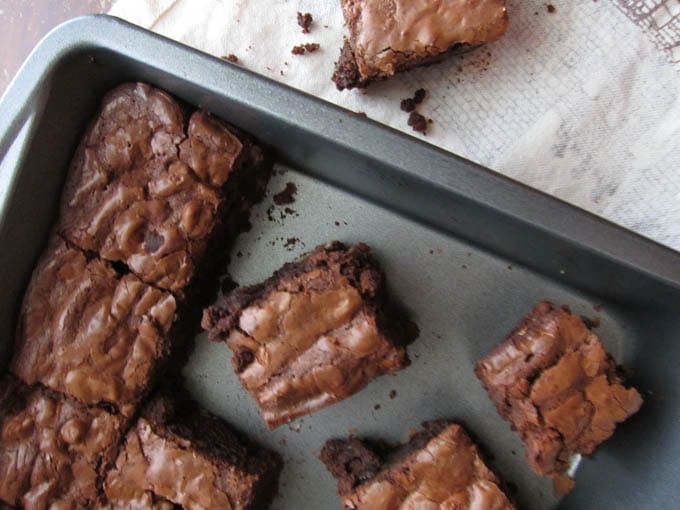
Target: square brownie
149	191
181	454
554	382
314	333
52	450
389	37
86	331
440	467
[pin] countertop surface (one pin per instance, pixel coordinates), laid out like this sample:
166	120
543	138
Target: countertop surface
24	23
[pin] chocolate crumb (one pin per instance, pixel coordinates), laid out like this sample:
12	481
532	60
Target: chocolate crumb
305	48
291	242
551	8
305	21
393	394
287	195
337	223
231	58
419	96
376	407
408	105
417	122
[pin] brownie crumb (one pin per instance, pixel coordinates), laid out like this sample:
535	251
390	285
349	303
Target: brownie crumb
408	105
417	122
230	58
393	394
291	242
551	8
376	407
287	195
305	48
289	212
305	21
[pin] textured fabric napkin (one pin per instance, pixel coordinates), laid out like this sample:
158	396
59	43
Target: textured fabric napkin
582	102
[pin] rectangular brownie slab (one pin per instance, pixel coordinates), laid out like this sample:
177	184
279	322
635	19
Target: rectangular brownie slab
150	190
389	37
316	332
86	331
182	455
554	382
52	450
440	468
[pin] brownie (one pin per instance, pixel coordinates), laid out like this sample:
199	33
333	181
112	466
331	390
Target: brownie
389	37
554	382
52	450
89	332
179	453
317	331
149	190
440	467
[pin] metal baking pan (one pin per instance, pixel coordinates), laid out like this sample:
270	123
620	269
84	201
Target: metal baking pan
467	251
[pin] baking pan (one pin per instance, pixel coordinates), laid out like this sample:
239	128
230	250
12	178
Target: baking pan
467	251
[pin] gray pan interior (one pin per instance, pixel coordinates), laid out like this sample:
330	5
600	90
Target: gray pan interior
466	250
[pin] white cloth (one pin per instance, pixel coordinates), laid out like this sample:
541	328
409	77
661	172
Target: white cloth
583	103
